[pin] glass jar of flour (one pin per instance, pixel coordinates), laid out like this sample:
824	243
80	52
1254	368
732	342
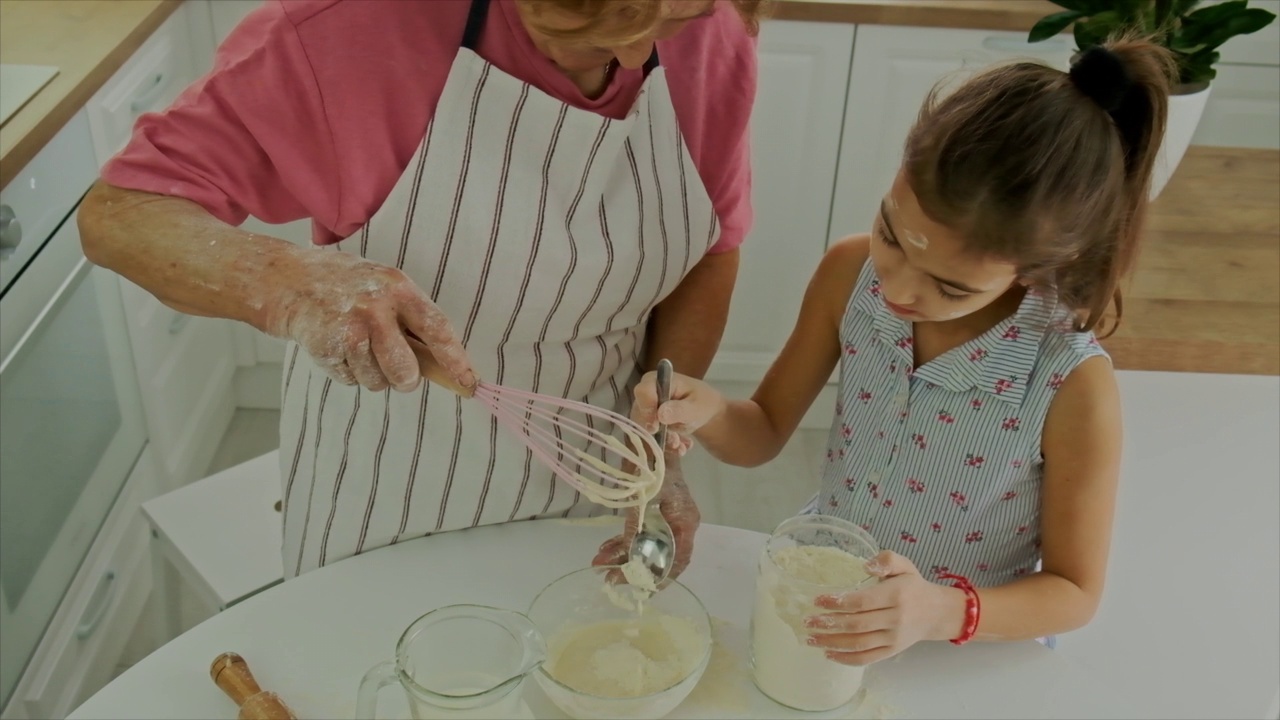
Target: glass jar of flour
806	556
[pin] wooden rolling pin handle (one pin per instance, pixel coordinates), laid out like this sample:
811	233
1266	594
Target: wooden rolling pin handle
231	673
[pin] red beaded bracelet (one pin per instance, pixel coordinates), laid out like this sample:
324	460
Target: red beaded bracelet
972	607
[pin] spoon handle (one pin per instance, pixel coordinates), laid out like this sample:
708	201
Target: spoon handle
664	394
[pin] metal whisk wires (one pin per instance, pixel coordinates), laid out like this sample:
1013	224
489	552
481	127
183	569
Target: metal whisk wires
613	472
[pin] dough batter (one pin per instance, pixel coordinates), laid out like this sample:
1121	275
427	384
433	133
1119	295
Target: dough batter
626	658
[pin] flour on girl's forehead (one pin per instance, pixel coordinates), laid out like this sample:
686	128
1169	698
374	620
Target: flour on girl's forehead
913	237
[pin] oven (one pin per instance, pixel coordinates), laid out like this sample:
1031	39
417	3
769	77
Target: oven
71	419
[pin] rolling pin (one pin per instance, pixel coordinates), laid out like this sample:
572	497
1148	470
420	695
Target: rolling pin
231	673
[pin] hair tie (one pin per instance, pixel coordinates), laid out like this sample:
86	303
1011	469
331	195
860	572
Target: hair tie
1102	76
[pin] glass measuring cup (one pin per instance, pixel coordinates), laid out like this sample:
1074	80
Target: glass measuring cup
459	661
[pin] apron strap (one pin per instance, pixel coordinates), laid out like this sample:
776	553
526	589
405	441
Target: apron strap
475	24
479	12
652	62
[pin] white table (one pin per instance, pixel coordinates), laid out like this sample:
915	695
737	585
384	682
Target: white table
1200	490
1190	620
312	638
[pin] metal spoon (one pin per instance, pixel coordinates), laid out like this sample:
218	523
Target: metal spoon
655	545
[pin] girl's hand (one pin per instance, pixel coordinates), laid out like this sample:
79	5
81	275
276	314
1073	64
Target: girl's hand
867	626
693	404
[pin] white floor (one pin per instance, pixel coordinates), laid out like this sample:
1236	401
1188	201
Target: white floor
754	499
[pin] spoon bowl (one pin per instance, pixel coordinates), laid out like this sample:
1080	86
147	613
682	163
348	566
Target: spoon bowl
655	545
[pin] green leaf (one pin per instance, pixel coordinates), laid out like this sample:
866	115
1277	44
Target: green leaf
1085	37
1182	7
1197	67
1084	7
1095	29
1051	25
1214	14
1136	13
1248	21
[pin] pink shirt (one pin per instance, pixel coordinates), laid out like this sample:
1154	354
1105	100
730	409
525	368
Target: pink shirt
314	108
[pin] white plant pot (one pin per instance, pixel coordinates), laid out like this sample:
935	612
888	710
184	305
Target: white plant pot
1184	116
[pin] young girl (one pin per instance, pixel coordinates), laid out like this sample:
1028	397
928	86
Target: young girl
977	432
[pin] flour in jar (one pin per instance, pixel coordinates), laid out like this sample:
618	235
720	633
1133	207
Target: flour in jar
785	667
821	565
626	658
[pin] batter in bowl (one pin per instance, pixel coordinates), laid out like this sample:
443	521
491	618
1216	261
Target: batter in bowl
626	658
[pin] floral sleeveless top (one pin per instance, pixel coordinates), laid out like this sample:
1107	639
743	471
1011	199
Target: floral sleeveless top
942	463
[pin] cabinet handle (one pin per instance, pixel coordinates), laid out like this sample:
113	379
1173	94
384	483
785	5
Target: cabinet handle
148	97
98	604
10	231
1004	44
178	322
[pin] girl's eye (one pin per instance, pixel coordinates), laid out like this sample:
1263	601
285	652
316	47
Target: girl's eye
884	236
942	290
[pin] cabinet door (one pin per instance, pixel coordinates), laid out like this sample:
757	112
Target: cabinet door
226	14
795	131
894	68
85	640
150	80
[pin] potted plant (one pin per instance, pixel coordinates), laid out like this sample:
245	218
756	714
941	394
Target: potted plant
1191	32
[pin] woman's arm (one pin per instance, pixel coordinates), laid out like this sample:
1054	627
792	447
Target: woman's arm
686	327
348	313
188	259
752	432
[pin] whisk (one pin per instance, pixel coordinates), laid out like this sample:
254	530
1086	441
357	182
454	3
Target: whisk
542	424
596	469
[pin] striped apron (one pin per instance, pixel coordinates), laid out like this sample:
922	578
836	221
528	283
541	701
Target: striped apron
547	234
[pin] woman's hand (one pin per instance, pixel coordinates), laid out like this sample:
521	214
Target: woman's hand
676	504
866	626
693	404
351	315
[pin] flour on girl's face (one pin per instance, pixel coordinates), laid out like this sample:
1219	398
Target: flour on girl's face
913	237
916	239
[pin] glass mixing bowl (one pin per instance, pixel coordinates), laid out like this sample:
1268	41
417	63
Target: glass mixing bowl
579	599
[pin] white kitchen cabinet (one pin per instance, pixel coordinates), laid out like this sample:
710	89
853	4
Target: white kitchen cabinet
149	81
184	364
894	68
795	130
88	635
185	369
226	14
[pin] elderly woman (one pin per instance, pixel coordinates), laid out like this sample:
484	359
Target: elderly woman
557	186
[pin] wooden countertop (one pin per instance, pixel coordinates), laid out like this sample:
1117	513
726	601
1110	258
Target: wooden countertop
1205	296
974	14
87	40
